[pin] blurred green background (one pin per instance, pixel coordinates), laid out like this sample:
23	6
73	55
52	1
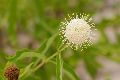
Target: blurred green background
32	24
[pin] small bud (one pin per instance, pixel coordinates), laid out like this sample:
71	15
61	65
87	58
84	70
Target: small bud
12	72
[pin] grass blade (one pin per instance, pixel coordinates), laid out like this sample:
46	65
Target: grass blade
12	21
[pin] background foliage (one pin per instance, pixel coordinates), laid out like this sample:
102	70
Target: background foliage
29	32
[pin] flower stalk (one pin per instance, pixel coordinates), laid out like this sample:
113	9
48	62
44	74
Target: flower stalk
49	58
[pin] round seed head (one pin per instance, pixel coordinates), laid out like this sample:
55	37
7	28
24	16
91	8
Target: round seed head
12	72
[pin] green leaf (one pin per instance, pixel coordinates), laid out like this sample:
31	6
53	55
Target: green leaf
42	46
18	53
24	54
28	54
26	70
49	42
59	67
68	70
45	46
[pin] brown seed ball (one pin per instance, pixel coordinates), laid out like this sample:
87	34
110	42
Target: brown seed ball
12	72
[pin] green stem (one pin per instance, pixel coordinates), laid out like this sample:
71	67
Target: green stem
48	59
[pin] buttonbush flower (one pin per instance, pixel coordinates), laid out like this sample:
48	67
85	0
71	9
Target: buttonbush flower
76	31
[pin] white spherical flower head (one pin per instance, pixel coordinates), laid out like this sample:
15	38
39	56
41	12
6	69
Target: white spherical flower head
77	31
